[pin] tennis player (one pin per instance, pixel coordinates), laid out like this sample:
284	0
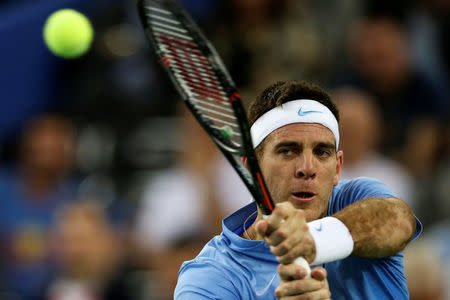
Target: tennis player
351	232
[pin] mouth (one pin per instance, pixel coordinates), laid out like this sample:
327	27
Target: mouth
303	196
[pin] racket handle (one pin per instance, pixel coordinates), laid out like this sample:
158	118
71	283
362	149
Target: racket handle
301	261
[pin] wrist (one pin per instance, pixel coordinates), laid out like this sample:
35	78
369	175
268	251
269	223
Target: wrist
332	240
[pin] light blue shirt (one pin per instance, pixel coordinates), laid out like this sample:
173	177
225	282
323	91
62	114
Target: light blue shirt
230	267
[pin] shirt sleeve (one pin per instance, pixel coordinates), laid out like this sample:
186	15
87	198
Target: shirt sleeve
350	191
204	280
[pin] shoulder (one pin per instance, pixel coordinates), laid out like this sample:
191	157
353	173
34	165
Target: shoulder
348	191
222	271
363	186
206	278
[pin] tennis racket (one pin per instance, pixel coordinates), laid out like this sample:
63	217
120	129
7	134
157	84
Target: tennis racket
202	80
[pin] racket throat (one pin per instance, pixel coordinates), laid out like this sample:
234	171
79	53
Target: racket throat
266	200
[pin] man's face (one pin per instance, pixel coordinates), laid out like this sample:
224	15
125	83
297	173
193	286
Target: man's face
300	164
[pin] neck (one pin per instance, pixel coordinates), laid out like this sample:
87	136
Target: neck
250	232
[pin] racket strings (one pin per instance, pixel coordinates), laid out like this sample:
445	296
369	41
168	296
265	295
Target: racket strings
193	71
194	68
209	97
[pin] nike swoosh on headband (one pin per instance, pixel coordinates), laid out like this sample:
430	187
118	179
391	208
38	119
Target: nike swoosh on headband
304	113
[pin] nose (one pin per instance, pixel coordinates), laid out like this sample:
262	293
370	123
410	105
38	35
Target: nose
306	168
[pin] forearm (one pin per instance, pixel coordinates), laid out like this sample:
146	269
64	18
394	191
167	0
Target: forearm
379	227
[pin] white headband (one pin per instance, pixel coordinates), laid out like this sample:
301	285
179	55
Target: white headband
297	111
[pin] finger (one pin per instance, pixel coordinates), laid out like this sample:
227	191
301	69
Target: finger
297	287
305	248
278	236
319	273
262	227
271	222
322	294
291	272
285	220
281	212
289	234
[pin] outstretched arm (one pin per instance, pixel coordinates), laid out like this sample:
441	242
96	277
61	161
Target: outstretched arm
380	227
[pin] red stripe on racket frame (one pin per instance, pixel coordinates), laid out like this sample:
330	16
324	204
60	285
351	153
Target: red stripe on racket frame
234	96
266	199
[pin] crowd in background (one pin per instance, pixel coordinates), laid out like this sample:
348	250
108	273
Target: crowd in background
107	183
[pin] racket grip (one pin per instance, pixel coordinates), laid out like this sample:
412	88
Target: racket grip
303	263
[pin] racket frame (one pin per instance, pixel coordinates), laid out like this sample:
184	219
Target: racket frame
253	179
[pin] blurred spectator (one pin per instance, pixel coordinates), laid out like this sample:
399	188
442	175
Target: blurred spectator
31	192
272	40
361	133
442	189
247	39
413	106
182	206
90	255
428	27
439	236
166	264
424	271
181	201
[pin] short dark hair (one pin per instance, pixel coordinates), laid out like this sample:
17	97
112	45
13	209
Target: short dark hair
288	90
284	91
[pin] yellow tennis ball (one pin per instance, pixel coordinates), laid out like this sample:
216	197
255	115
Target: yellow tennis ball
68	33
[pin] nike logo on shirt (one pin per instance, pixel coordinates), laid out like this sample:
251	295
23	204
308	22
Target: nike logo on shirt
264	290
318	227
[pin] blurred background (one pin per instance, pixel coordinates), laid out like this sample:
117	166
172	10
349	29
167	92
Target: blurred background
107	184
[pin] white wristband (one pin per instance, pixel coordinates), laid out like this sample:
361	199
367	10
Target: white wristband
332	238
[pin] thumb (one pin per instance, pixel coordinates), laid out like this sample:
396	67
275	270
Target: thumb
262	227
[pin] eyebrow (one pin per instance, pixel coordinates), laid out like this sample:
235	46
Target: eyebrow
325	145
287	144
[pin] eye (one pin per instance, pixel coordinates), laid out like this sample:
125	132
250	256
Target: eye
322	153
288	150
285	151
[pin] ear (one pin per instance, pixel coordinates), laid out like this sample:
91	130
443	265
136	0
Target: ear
339	164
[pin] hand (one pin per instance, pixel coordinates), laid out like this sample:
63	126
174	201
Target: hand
287	234
294	286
